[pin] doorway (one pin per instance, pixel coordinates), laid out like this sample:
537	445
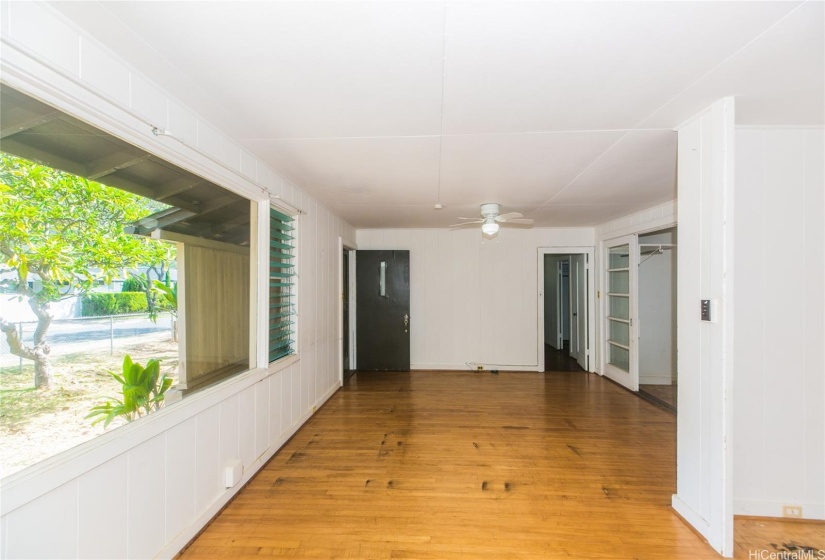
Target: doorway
657	279
383	310
639	314
346	345
566	309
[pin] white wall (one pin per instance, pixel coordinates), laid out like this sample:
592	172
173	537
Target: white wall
14	310
474	299
657	312
705	362
779	417
145	489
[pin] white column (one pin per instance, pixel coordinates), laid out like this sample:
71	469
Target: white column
705	348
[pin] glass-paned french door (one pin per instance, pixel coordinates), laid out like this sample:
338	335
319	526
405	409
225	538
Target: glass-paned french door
620	281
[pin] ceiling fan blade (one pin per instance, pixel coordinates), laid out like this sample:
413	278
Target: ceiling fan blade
520	221
467	224
460	218
508	216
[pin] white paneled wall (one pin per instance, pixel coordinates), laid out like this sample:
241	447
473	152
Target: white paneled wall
474	299
145	489
704	424
779	417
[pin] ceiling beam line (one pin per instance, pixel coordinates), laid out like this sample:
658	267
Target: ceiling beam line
176	187
218	203
15	147
113	163
22	126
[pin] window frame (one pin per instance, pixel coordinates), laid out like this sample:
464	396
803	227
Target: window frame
279	206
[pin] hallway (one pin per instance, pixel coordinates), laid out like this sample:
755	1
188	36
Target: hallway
560	360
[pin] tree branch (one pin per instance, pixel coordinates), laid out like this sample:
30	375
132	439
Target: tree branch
15	344
44	319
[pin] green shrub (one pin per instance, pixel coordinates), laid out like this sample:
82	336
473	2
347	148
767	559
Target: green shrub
132	284
113	303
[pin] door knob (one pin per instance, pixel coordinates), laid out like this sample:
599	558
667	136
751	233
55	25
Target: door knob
406	322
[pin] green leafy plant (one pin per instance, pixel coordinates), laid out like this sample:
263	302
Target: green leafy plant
168	295
96	304
60	236
143	391
132	284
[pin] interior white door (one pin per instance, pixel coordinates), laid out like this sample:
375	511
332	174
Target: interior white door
621	361
578	283
573	307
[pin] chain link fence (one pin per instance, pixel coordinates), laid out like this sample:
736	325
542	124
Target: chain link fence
91	334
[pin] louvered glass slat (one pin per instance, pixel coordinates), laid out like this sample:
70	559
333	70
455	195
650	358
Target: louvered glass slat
279	335
277	354
275	215
281	271
278	235
275	225
276	316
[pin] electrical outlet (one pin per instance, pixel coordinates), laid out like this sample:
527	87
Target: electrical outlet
479	368
314	409
791	511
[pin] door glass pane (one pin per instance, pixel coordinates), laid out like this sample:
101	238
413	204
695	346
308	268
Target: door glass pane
619	332
619	357
620	282
619	307
619	257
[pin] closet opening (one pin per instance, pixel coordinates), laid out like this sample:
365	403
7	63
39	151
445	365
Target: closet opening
658	379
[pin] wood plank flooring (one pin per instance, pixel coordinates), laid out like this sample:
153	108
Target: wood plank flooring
473	465
559	360
664	393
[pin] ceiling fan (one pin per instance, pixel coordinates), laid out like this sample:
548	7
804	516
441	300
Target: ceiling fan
491	219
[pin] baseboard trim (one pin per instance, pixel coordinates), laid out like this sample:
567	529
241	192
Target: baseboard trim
762	508
655	380
465	367
693	519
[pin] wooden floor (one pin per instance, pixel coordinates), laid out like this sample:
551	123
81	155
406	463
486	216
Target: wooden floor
560	360
475	465
664	393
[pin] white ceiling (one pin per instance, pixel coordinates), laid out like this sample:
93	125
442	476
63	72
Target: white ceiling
561	110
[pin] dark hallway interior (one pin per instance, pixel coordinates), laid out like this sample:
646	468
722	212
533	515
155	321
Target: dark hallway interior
560	360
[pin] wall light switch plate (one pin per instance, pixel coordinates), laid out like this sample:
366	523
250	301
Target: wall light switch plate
709	309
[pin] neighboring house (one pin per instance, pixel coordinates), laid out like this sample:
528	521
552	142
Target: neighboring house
749	212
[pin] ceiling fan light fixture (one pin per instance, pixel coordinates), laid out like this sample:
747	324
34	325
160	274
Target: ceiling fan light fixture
490	227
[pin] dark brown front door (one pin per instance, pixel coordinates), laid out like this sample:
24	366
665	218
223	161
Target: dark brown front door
383	310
